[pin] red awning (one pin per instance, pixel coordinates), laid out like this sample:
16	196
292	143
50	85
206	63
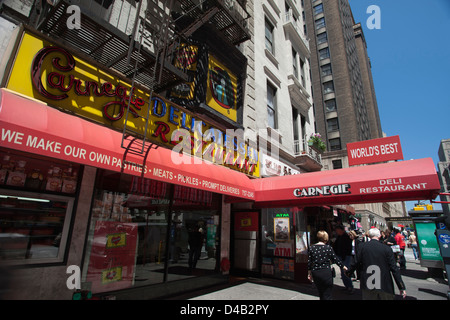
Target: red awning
31	126
395	181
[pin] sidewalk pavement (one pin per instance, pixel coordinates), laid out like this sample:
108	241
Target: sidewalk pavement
419	286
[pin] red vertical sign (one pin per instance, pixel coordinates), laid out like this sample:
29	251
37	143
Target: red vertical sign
113	255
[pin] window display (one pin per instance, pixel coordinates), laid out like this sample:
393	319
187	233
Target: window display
284	241
145	232
36	173
36	202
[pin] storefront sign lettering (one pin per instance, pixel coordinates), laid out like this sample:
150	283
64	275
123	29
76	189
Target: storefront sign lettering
392	185
283	252
375	150
281	215
64	84
283	249
46	146
322	191
67	82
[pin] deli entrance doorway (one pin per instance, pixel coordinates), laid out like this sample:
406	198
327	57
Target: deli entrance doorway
245	243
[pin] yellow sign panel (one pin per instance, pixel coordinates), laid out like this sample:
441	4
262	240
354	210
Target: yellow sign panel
111	275
247	222
116	240
187	59
52	74
221	92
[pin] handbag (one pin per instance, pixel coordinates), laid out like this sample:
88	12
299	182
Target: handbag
395	248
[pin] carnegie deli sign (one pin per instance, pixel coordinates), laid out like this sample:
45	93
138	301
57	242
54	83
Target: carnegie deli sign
54	75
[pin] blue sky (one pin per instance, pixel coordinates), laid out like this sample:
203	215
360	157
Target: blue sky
410	56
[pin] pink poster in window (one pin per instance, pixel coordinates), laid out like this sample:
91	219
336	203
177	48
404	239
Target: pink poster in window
113	256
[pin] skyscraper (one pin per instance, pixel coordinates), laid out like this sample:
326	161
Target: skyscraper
444	173
345	104
344	97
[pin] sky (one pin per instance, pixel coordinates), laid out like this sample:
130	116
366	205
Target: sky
410	58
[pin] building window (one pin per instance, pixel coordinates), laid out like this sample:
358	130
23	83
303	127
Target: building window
322	38
295	117
130	220
295	63
318	9
302	71
326	70
271	107
335	144
269	37
330	105
328	87
37	197
320	23
332	124
337	164
324	53
105	3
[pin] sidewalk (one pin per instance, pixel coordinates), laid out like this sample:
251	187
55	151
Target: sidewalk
418	287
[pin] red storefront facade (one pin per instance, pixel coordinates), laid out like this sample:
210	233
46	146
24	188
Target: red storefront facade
72	196
35	129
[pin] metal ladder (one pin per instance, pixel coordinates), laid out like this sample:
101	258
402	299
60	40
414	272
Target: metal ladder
133	141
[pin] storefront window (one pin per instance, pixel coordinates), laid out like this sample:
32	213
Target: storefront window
144	232
285	241
278	243
36	202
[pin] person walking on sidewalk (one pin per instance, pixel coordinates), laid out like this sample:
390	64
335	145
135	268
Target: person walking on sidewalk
320	257
400	239
343	248
377	263
413	242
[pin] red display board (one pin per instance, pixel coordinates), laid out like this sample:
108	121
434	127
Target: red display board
113	255
375	150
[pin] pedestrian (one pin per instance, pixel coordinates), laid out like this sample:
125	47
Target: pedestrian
413	242
320	272
343	249
383	236
378	266
400	239
357	240
195	246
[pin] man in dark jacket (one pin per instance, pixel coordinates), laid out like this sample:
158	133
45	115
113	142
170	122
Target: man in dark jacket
377	262
343	249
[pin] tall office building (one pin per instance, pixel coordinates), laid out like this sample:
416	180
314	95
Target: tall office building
444	174
344	97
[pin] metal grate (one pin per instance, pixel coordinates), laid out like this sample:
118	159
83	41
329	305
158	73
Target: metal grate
230	20
109	46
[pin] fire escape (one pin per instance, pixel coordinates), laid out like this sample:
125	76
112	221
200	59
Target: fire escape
140	39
